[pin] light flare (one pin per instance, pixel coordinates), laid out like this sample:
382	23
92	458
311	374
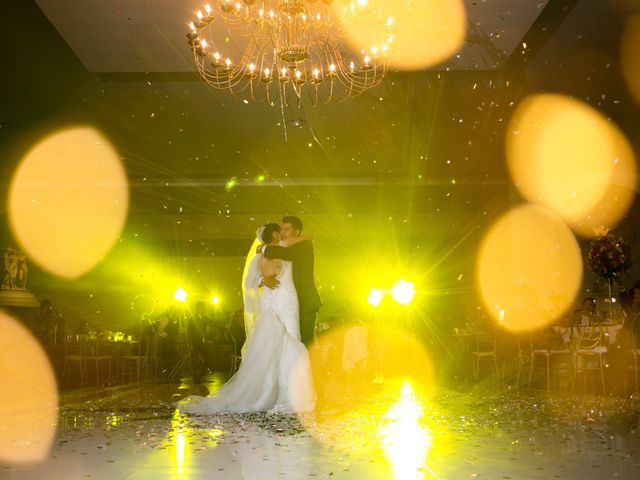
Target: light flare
406	442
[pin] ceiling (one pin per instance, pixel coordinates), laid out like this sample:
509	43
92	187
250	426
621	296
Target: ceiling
420	156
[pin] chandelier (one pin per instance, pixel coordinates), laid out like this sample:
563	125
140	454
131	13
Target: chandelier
268	49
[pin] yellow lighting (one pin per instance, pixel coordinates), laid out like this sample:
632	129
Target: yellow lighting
180	447
215	300
231	183
431	30
367	364
405	441
180	294
403	292
375	296
566	156
529	268
28	407
68	201
629	58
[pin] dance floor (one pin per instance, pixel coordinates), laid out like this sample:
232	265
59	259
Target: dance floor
134	432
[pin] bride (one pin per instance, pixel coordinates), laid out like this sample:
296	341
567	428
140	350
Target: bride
275	373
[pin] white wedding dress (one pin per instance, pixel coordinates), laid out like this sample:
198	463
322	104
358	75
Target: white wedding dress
275	373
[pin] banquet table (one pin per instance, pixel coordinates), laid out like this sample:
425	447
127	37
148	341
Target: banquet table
569	333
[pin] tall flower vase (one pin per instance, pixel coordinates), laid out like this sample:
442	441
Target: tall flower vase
610	299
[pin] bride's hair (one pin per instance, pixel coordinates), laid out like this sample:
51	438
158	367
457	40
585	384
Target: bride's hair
265	234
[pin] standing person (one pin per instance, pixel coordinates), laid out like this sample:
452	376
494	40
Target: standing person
302	258
275	372
197	328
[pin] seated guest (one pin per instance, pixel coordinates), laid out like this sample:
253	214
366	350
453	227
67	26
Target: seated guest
586	314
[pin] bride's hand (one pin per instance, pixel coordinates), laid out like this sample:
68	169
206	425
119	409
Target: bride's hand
270	282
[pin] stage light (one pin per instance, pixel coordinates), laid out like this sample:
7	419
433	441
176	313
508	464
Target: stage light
180	294
403	292
375	296
215	300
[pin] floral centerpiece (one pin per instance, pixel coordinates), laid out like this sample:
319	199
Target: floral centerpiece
609	256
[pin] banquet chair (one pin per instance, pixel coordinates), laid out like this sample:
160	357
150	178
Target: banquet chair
588	355
484	350
635	353
99	353
74	357
548	347
136	360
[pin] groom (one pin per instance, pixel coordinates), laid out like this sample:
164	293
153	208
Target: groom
301	257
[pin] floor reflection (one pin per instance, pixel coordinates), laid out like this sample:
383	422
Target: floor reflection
135	432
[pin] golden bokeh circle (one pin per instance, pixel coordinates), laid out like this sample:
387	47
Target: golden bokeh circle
566	156
68	201
29	403
529	268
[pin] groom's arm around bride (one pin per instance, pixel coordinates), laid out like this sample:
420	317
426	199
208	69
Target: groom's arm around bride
302	258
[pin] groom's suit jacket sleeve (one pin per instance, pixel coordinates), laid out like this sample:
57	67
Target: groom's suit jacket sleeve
302	257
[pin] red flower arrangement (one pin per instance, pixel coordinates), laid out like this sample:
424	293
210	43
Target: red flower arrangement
609	256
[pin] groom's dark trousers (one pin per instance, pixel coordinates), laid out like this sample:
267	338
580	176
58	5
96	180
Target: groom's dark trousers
302	258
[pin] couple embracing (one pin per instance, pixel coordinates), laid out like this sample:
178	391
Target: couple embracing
281	302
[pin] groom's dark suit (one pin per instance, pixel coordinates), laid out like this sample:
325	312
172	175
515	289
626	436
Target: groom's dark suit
302	258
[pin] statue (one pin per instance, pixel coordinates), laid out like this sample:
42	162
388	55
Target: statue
15	270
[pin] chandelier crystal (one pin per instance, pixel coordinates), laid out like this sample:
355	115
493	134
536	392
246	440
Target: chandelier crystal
265	49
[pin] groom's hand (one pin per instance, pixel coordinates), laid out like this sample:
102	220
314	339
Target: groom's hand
270	282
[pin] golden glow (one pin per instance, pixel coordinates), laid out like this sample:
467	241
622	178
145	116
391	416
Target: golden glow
180	448
180	294
431	30
403	292
566	156
375	296
215	300
68	201
28	407
629	57
365	364
529	268
231	183
177	447
405	441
